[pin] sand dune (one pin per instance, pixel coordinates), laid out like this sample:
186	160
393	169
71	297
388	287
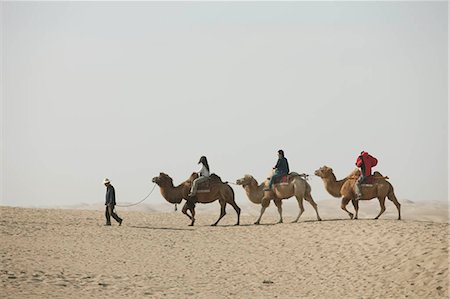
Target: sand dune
55	253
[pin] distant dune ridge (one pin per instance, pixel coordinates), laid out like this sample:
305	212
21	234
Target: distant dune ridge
69	253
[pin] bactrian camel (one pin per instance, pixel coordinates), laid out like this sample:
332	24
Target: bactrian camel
296	186
219	191
345	188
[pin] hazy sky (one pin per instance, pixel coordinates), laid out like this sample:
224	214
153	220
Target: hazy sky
126	90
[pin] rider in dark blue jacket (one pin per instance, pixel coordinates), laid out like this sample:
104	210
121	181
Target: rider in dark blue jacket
281	169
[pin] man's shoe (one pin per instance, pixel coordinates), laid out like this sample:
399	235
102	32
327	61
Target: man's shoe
108	224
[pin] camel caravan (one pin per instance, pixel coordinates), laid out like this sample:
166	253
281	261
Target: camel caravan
205	187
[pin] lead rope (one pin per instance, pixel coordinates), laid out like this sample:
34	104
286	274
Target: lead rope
133	204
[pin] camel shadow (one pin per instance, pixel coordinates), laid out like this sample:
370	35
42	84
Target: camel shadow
326	220
256	225
240	225
342	219
299	222
162	228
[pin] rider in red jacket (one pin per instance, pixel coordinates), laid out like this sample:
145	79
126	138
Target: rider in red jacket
365	162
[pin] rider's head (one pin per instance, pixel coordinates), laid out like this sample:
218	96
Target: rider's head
204	161
281	153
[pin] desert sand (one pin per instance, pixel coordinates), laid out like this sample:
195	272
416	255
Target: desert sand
69	253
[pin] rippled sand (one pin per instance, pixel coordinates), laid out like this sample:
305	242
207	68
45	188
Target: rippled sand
58	253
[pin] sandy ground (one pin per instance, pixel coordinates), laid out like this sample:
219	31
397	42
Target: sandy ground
56	253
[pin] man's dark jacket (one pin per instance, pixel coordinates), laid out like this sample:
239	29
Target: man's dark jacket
110	196
282	165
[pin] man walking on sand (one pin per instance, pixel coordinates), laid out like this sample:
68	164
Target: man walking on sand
110	203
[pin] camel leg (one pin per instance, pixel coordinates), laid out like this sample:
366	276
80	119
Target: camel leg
193	215
344	204
302	209
223	205
309	199
393	198
278	203
237	209
191	207
185	209
263	208
264	204
382	206
356	206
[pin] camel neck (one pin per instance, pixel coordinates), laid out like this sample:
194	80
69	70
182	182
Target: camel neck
172	194
333	186
255	193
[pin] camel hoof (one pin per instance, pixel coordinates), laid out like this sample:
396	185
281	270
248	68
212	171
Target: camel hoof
351	216
214	224
376	218
295	221
257	223
319	219
236	224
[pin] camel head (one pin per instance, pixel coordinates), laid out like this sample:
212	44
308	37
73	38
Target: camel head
163	180
324	172
246	180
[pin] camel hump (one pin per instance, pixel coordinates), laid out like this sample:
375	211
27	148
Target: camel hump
293	175
214	178
354	174
377	174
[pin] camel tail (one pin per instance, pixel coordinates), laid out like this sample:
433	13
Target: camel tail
232	191
393	198
308	188
391	194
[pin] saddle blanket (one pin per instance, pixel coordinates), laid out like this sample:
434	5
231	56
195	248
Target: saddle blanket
203	190
282	181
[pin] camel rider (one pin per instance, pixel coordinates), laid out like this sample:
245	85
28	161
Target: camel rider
281	169
365	162
203	176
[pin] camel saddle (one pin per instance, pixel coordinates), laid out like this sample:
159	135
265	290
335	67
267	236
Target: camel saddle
205	187
368	181
283	180
286	179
